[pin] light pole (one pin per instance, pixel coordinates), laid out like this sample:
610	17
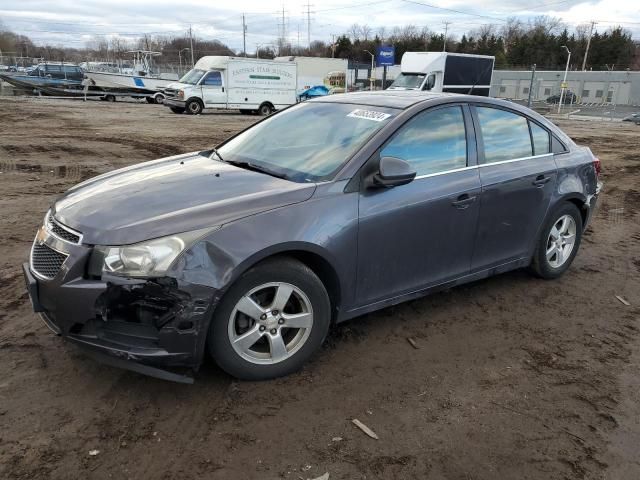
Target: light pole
373	57
564	82
180	57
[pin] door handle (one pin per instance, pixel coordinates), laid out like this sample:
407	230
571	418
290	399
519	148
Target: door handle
463	201
541	180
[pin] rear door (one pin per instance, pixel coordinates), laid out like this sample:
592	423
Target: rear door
213	94
421	234
518	176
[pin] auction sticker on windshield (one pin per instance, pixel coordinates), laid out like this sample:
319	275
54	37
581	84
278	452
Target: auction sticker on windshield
369	115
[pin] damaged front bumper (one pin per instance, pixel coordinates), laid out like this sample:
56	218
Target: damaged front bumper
146	325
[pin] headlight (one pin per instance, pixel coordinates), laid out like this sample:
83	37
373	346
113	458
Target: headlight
180	93
147	259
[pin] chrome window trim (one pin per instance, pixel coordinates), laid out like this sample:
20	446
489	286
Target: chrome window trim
531	157
49	218
462	169
455	170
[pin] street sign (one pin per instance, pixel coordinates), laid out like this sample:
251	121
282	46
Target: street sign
564	84
385	56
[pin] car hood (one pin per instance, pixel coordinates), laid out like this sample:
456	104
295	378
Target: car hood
170	195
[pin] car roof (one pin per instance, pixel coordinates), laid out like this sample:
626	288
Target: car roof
403	99
385	98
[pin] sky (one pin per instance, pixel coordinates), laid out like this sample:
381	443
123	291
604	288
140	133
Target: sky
73	23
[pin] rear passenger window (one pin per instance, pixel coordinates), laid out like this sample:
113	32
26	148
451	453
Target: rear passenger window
557	146
540	139
505	135
432	142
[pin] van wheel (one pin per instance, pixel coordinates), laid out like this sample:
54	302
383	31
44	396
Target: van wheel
150	100
194	107
110	98
558	243
270	321
159	98
266	109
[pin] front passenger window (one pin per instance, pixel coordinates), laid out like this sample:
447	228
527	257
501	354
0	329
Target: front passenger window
213	79
432	141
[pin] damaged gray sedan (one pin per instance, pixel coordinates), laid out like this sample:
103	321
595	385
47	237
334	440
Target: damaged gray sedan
325	211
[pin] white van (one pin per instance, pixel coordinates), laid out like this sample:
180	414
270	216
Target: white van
246	84
445	72
314	71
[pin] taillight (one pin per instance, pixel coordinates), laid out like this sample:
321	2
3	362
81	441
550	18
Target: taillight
597	166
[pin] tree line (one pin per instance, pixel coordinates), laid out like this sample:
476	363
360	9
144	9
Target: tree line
515	44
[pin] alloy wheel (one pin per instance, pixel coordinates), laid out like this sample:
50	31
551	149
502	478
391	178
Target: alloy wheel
270	323
561	241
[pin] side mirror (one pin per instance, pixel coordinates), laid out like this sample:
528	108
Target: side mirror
393	172
431	82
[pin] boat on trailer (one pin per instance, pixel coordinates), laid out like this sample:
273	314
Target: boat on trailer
142	79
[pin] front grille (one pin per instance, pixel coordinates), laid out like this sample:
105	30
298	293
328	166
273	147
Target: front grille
170	92
45	261
65	234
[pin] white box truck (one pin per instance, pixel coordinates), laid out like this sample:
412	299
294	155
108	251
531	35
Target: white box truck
246	84
445	72
315	71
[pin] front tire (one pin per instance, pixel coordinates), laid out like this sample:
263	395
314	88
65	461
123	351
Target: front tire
558	243
271	321
194	107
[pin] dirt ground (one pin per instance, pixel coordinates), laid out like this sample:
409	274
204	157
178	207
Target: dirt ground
513	378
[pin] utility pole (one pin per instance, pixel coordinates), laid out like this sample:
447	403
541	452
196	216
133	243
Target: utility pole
193	62
309	25
533	75
564	82
586	53
244	36
283	33
444	42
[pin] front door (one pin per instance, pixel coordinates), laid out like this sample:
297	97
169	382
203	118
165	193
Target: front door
213	93
518	176
422	233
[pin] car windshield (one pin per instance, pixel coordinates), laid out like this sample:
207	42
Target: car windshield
408	80
192	76
308	142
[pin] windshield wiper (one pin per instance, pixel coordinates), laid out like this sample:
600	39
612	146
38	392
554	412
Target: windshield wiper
253	167
217	154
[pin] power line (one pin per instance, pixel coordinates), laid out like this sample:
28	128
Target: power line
459	12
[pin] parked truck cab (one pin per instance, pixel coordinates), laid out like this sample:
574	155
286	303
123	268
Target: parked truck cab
445	72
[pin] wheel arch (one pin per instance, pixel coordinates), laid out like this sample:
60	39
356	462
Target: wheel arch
579	201
311	255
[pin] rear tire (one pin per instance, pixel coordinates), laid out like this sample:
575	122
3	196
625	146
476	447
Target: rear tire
177	109
194	107
288	318
150	100
558	243
265	109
